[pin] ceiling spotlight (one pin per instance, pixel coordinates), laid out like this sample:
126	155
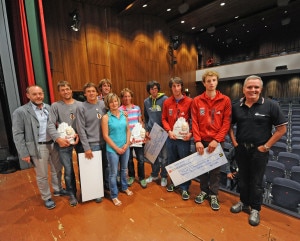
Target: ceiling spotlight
145	5
75	22
222	4
169	9
182	21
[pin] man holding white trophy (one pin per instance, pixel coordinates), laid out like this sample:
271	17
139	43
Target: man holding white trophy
62	129
176	117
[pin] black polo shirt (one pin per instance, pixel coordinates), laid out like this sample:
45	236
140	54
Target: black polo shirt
254	125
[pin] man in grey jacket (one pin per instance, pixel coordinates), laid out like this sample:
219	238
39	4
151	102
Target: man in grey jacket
34	145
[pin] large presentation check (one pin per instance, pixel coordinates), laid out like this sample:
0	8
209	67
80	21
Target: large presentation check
152	147
91	180
195	165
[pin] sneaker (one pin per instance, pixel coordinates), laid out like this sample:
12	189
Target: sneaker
254	217
185	195
163	182
98	200
201	197
151	179
143	183
73	201
171	188
238	207
130	180
50	204
214	203
61	192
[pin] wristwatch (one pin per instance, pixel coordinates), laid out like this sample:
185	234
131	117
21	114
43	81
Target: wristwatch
266	147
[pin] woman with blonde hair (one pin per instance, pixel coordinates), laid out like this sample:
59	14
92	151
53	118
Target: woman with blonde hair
116	134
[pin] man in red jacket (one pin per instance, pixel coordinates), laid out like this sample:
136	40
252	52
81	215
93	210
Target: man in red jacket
178	146
211	113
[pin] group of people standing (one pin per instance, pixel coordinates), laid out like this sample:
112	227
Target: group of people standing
104	122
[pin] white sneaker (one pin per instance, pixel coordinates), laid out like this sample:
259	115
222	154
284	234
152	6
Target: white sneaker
151	179
163	182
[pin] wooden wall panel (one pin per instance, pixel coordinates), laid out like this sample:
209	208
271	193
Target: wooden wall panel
135	61
129	50
117	64
114	26
98	72
96	35
57	76
75	63
53	37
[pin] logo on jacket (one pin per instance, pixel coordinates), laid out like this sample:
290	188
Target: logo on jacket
170	112
202	111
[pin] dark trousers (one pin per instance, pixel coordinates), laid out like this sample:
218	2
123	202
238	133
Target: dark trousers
139	153
252	164
209	181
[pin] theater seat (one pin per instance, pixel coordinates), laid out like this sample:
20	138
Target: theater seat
286	193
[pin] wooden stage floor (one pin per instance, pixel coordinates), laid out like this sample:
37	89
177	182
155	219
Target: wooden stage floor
150	214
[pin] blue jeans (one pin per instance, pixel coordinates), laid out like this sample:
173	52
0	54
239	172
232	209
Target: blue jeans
178	149
139	152
160	163
65	156
113	163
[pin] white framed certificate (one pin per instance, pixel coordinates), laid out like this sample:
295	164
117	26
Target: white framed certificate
91	177
195	165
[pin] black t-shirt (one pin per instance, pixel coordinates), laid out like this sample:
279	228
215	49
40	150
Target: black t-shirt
254	125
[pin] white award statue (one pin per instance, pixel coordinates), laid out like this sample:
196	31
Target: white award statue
138	135
66	132
181	128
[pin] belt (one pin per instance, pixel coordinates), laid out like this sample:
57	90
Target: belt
248	145
46	142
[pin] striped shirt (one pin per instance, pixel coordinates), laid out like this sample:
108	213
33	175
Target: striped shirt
133	114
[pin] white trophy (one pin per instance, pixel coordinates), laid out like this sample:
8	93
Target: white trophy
138	135
66	132
181	128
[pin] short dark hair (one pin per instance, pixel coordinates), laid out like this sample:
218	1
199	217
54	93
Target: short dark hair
88	85
151	84
62	83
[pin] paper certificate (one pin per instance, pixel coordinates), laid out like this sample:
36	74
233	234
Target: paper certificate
91	180
153	147
195	165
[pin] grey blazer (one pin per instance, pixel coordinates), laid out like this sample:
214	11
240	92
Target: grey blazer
25	129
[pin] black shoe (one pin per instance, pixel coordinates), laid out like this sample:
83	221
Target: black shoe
50	204
98	200
73	201
61	192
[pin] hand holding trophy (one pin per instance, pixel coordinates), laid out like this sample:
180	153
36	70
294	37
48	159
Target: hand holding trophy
66	132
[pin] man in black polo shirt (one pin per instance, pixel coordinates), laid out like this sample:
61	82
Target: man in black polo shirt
254	117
